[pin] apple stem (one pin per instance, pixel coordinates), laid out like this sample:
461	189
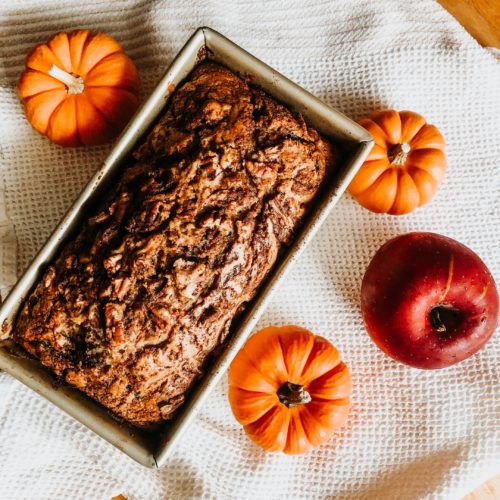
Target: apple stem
398	153
74	83
293	395
444	318
436	321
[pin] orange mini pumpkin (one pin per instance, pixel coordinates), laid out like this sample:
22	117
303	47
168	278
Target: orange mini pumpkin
79	88
289	389
405	166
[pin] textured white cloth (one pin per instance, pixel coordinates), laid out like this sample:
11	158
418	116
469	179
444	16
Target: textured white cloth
8	247
412	434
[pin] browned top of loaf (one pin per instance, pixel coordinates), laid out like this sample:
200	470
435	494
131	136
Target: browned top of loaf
148	288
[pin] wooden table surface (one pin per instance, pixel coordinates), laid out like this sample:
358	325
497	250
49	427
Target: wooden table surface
481	18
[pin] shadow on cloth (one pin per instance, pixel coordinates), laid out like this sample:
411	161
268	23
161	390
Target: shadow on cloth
187	479
420	478
344	270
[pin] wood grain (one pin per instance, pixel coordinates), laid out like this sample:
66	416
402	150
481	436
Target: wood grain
487	491
481	18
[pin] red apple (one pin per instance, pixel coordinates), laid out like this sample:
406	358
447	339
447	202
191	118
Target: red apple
428	301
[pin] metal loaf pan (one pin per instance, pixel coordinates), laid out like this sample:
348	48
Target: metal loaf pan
153	449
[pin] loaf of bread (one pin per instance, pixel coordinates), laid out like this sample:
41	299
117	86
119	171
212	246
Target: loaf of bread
136	302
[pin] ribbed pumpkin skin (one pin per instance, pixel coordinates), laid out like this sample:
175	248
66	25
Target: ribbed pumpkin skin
101	110
269	359
397	185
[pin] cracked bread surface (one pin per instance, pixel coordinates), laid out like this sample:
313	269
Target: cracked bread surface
136	302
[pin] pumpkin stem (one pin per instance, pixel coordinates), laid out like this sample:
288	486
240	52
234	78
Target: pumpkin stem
398	153
74	83
293	395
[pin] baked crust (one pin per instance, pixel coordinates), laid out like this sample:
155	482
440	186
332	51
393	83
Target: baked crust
134	305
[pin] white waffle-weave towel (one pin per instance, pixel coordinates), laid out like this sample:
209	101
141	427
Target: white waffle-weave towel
412	434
